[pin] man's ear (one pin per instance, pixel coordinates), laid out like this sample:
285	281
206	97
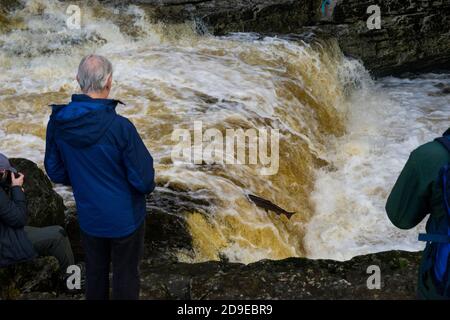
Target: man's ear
109	82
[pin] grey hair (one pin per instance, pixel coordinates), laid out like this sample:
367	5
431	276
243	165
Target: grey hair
93	73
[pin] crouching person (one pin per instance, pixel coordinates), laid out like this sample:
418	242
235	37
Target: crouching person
18	242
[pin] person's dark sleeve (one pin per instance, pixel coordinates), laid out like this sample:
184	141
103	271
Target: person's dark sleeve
54	165
408	202
138	161
13	212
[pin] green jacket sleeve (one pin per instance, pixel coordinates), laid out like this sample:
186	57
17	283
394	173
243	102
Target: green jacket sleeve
408	202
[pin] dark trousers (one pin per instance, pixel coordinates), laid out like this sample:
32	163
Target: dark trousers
125	254
52	241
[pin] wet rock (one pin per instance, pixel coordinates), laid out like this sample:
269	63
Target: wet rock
444	89
7	6
45	206
442	85
167	232
293	278
165	236
177	200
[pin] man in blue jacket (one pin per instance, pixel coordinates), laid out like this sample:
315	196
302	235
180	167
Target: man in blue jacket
101	155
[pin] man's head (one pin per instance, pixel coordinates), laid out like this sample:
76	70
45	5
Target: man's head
95	76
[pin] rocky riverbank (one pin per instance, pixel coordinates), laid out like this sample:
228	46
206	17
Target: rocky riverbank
166	278
294	278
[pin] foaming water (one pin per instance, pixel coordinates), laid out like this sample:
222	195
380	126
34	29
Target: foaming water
327	110
387	121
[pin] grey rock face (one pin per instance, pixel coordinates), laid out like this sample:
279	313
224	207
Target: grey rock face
414	35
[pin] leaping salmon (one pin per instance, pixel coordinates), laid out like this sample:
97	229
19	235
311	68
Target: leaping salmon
269	206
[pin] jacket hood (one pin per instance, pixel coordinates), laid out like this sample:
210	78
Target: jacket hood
84	120
447	133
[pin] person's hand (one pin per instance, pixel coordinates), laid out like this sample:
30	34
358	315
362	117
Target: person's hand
17	182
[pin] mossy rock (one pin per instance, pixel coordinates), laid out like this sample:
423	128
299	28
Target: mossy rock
41	275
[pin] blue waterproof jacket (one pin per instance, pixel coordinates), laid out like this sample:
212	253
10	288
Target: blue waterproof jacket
101	155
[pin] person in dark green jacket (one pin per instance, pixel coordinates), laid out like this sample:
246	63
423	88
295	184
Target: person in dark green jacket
417	193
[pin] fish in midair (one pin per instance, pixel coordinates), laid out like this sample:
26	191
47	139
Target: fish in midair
269	206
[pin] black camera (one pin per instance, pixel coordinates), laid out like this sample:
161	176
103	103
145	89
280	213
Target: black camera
9	174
